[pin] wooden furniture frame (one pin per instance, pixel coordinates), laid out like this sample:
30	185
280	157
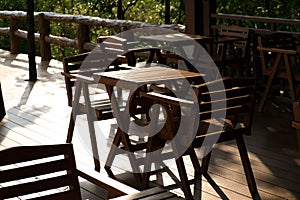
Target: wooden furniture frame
238	98
278	58
232	48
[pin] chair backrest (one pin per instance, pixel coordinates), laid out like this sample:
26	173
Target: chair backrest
237	96
87	64
41	172
234	104
230	110
237	32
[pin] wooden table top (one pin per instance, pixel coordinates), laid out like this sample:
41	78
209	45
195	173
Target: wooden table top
176	37
140	76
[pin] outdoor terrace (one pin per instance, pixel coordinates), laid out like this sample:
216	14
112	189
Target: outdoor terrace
37	113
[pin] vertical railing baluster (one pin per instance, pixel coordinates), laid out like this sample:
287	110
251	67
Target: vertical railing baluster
83	36
14	40
45	48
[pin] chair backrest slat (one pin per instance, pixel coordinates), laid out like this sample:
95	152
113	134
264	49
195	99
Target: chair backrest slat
237	98
32	170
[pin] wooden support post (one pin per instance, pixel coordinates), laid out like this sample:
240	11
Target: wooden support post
2	108
198	16
45	48
31	42
83	35
167	12
14	40
192	16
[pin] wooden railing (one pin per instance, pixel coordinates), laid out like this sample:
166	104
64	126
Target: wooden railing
270	24
82	42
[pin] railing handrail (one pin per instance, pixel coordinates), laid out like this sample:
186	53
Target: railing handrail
82	42
256	18
88	20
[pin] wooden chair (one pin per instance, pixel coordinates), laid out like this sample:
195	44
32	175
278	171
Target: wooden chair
278	57
49	172
129	51
28	162
224	115
296	122
84	65
122	140
232	50
96	100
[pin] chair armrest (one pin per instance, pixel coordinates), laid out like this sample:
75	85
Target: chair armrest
167	99
68	75
296	125
84	79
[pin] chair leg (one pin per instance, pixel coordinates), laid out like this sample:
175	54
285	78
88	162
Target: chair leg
112	153
197	175
185	186
204	169
124	138
71	129
247	167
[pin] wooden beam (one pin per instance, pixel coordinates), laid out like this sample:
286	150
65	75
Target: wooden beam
198	16
31	42
192	16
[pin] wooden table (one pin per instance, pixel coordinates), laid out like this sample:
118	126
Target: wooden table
179	40
135	81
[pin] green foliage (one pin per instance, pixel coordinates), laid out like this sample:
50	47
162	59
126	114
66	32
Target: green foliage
287	9
149	11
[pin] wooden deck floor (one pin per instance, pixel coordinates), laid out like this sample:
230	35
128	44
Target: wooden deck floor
37	113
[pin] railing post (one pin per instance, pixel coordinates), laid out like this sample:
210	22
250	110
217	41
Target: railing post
273	27
83	35
14	40
45	48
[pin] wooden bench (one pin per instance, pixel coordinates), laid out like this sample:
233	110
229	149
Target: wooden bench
2	108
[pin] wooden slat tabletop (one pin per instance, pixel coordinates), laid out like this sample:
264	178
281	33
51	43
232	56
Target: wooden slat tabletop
141	76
